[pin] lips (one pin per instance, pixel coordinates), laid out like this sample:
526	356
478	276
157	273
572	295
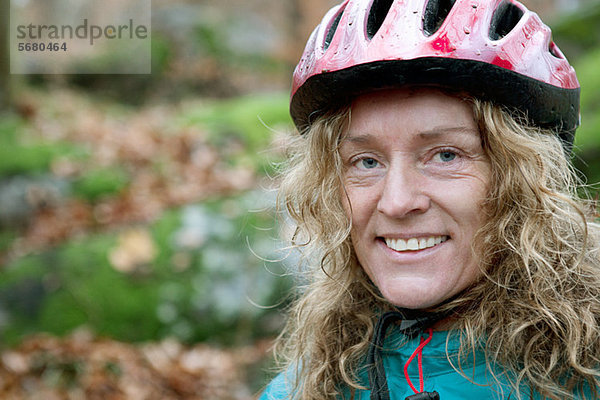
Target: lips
413	244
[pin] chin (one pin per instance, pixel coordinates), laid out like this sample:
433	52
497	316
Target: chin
410	299
416	297
414	305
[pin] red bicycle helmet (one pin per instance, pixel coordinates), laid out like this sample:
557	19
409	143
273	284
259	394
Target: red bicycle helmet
495	50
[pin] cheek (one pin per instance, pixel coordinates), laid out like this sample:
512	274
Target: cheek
360	204
345	197
471	274
465	200
470	217
351	204
348	199
474	206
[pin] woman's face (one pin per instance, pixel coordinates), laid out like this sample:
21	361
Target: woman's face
415	175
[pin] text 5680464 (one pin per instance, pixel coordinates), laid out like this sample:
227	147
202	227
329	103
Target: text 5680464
43	46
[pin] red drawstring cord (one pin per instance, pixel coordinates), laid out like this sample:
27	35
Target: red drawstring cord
418	352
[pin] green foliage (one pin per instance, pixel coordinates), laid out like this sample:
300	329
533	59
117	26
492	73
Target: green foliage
6	239
18	157
132	89
195	291
588	135
98	183
210	40
77	286
580	31
161	54
587	140
249	120
578	35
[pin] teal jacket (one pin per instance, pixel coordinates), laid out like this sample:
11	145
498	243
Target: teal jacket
439	375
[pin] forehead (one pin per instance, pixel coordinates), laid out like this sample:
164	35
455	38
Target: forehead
409	110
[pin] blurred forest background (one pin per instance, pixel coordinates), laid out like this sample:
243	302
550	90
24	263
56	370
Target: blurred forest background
140	256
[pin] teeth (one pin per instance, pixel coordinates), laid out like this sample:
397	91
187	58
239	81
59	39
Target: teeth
414	243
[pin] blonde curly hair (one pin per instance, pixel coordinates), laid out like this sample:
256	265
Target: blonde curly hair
538	304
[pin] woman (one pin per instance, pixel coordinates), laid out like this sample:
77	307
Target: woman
449	256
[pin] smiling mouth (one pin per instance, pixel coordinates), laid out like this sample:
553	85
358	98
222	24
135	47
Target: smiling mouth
414	244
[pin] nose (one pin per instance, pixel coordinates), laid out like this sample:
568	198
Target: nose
402	193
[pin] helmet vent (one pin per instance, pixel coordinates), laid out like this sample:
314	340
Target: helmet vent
553	49
435	15
332	29
379	10
505	18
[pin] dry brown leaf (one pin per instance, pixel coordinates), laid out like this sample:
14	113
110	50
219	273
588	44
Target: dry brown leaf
84	367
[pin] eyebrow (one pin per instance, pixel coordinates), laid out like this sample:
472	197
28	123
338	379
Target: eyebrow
431	133
444	130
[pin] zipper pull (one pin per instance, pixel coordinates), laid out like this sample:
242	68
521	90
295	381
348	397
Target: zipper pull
424	396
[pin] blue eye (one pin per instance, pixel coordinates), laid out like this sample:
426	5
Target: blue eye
447	156
369	163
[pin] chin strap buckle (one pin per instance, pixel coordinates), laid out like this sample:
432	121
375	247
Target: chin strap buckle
424	396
